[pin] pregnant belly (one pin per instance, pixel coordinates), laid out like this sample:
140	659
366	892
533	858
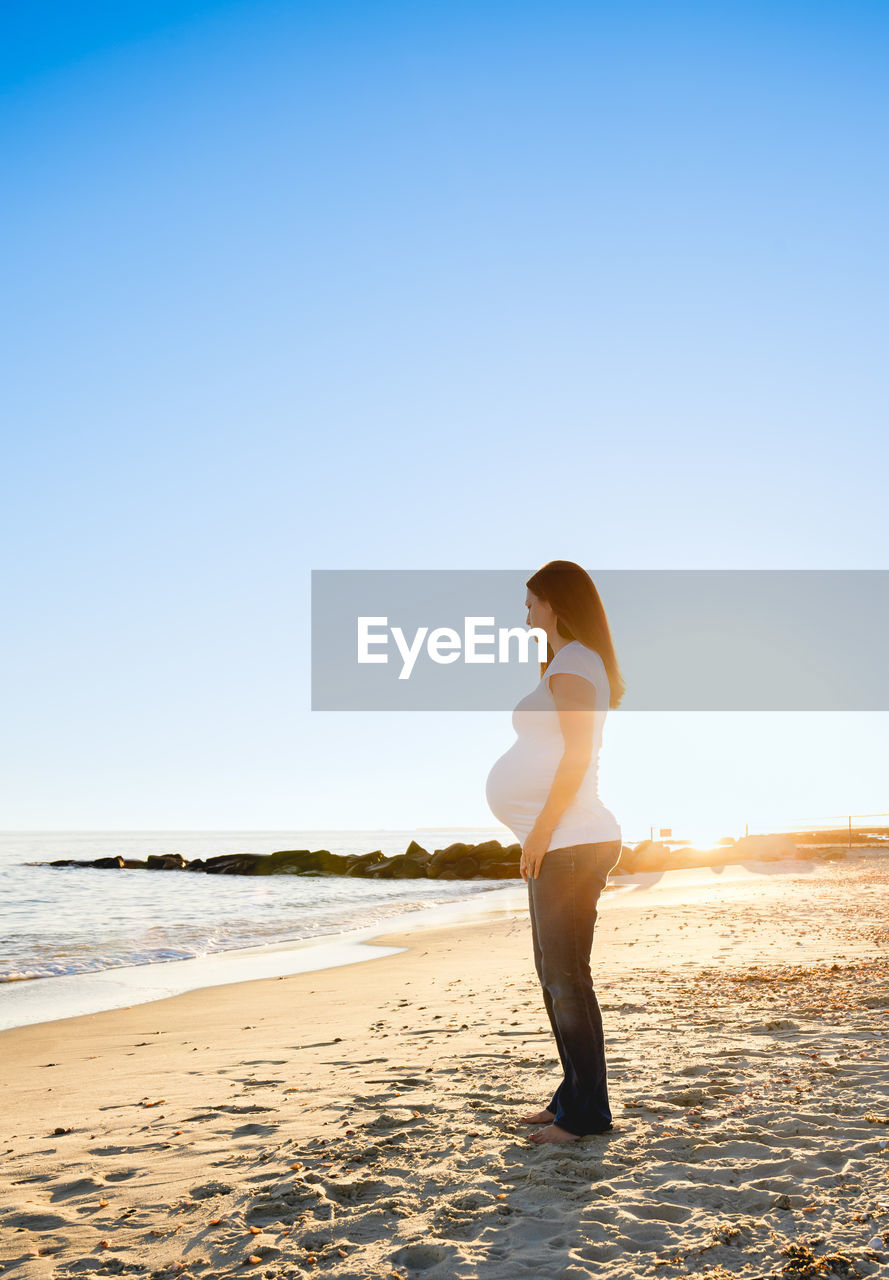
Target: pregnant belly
518	785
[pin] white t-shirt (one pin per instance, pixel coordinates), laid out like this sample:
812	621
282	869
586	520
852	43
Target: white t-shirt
519	782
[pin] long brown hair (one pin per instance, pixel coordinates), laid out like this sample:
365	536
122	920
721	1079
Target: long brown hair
571	594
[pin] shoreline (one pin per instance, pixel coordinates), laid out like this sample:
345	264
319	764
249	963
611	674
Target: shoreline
32	1001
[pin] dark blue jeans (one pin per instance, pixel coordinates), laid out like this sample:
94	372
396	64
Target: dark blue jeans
562	902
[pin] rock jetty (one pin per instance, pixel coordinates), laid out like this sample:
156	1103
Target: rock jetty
488	861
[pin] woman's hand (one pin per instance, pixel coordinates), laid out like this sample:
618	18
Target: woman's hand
533	852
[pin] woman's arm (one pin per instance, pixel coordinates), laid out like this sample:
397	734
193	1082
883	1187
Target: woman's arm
575	700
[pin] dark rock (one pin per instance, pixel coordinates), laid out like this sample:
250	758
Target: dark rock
232	864
115	861
415	850
359	862
512	853
400	868
500	871
468	867
420	857
165	862
443	858
489	849
303	861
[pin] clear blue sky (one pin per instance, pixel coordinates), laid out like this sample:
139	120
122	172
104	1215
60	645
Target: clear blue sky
296	286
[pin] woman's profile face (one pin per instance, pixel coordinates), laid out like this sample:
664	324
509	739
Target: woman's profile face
540	614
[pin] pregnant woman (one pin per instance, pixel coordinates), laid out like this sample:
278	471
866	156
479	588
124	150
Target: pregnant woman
545	790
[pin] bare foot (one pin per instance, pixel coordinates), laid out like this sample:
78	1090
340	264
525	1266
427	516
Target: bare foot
552	1133
539	1117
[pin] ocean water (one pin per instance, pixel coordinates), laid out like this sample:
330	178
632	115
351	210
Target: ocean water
57	921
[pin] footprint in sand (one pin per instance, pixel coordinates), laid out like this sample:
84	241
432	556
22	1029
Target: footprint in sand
275	1208
208	1189
253	1130
685	1097
361	1191
420	1256
473	1200
388	1120
34	1221
79	1187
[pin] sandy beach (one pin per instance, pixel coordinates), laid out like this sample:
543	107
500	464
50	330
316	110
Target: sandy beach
362	1121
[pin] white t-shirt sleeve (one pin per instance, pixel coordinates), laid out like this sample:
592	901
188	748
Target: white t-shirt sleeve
576	659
